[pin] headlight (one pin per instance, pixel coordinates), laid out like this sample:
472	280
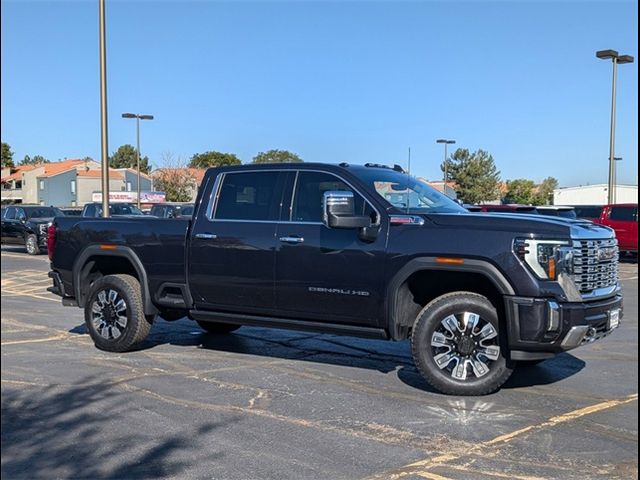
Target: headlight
546	258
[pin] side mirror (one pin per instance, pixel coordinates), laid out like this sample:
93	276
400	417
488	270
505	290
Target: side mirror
338	211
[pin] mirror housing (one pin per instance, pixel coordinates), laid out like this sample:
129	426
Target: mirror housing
339	211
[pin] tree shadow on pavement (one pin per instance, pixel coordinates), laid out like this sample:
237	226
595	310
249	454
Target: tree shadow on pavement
77	431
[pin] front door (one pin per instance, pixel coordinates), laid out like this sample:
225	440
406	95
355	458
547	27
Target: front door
328	274
232	245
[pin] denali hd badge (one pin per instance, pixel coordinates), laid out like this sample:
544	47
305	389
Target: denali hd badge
339	291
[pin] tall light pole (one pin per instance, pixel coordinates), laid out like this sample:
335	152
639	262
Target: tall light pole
446	164
616	59
138	117
104	141
615	178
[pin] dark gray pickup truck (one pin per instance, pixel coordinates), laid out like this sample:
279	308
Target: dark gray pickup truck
356	250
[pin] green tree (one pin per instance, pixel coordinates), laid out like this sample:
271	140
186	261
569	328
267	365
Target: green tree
545	191
475	174
125	157
176	183
277	156
522	191
213	159
36	160
7	155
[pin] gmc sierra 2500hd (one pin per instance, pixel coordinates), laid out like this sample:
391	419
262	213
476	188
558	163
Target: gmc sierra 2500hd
358	250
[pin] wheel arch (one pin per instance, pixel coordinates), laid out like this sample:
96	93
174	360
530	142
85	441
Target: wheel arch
94	262
411	288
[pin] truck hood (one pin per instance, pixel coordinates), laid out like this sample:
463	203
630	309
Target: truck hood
526	224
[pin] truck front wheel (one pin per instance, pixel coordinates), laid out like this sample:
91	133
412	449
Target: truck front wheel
456	345
114	313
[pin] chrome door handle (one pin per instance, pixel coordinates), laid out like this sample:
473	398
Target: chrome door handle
292	239
206	236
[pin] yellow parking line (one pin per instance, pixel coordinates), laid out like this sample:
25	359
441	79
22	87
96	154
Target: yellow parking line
484	473
567	417
53	338
30	295
421	467
432	476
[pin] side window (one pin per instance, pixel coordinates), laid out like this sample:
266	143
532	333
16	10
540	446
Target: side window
309	193
20	214
10	213
248	196
90	211
624	214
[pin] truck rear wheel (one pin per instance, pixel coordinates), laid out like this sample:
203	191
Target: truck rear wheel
114	313
216	327
456	345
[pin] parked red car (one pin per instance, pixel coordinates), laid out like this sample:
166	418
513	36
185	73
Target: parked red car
623	218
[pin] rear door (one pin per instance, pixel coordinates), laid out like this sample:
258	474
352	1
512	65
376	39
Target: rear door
9	225
624	220
328	274
233	242
12	226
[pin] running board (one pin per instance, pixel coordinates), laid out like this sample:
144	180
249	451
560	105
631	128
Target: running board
287	323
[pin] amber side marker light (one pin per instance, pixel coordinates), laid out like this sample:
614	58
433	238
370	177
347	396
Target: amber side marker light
108	247
448	260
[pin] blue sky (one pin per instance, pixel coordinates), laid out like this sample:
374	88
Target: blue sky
333	81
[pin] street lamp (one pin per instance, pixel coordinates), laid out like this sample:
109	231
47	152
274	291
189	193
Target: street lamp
615	59
104	137
138	117
446	165
615	178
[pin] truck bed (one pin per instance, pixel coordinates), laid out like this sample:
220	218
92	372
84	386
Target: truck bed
158	242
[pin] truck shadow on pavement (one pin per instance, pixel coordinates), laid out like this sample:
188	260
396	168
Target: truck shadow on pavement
62	431
379	355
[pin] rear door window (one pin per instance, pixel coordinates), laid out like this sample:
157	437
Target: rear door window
248	196
624	214
588	212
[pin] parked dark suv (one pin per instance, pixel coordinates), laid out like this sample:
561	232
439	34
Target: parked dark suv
115	210
27	225
172	210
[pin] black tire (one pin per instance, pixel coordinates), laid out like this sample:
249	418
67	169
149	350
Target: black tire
105	319
430	319
217	328
31	244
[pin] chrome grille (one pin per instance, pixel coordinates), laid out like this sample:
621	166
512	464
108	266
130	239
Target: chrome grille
595	264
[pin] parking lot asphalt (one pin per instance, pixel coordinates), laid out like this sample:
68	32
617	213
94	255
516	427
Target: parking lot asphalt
275	404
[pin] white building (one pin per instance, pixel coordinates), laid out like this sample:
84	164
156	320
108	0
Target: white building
594	195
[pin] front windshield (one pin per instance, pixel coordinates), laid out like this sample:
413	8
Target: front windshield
407	193
44	212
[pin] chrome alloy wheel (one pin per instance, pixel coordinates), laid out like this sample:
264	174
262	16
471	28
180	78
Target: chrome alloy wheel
108	314
32	245
465	345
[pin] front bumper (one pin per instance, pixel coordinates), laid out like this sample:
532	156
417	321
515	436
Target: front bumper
544	326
